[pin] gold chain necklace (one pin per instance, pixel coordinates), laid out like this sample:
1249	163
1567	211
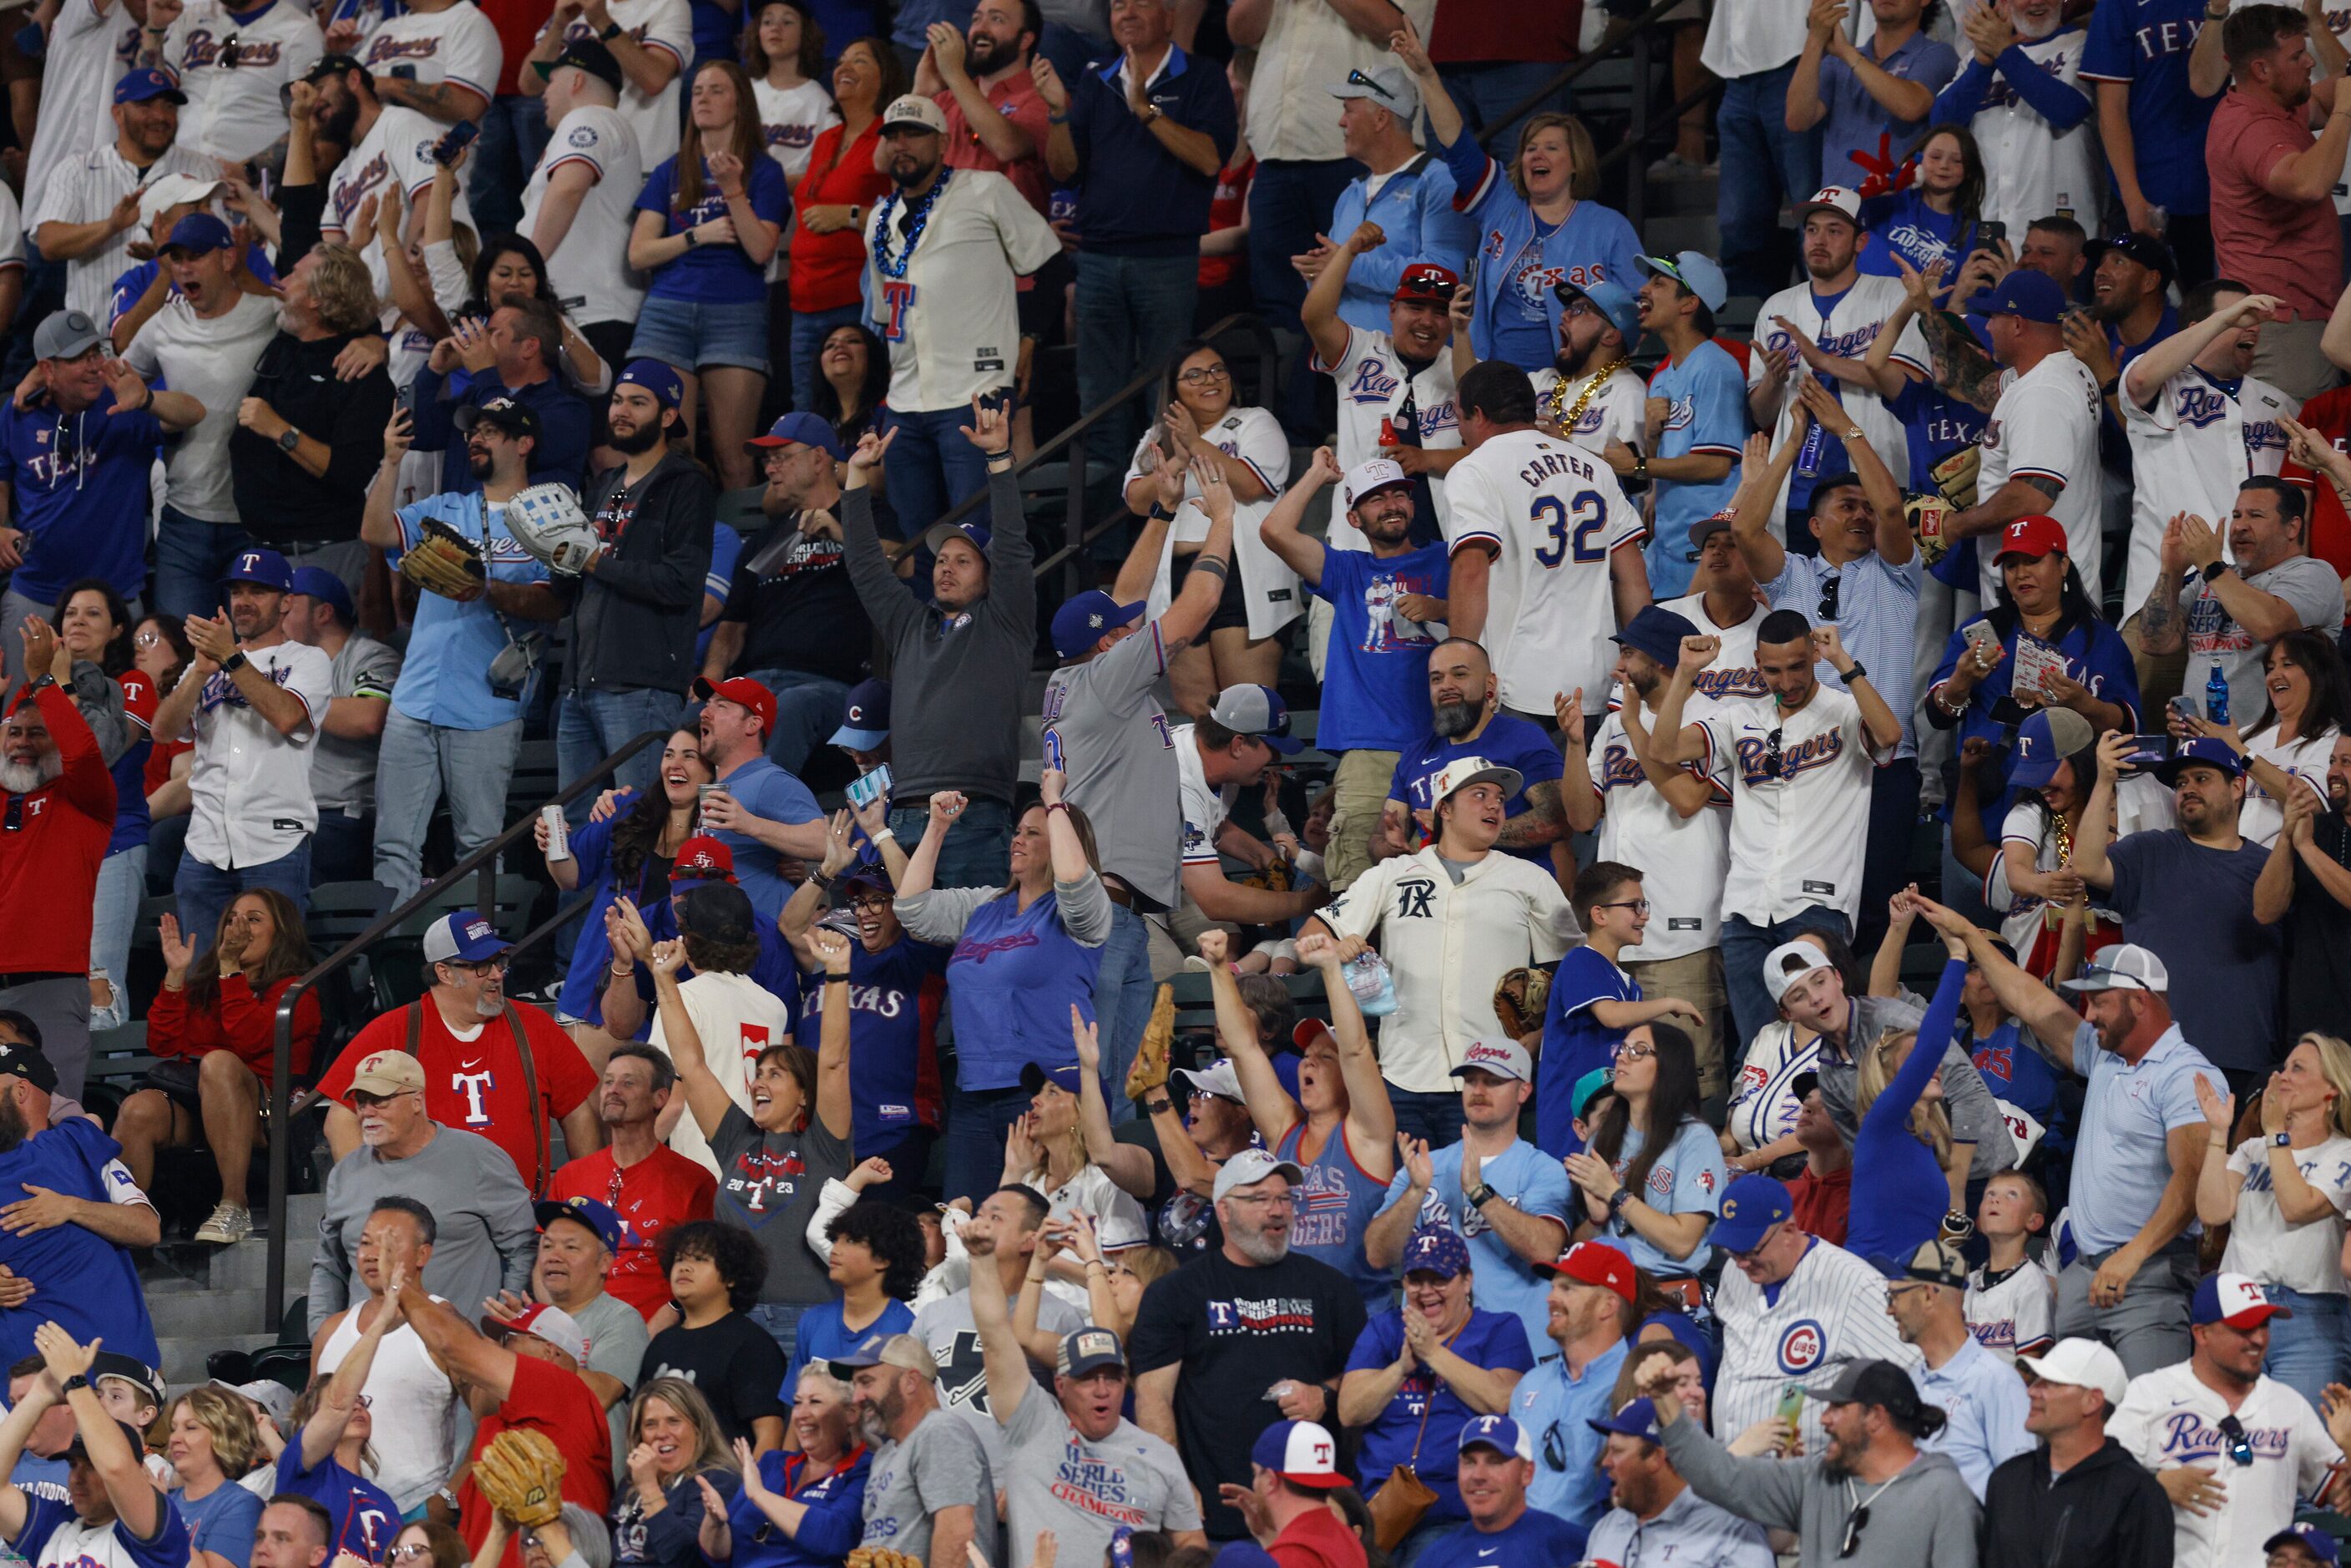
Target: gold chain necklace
1566	419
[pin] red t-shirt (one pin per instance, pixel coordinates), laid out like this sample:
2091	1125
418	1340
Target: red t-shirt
650	1197
240	1021
1822	1203
1017	99
2272	246
1225	210
826	267
2328	415
477	1084
1477	32
545	1398
1316	1538
56	836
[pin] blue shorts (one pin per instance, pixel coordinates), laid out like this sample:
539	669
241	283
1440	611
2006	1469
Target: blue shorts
694	335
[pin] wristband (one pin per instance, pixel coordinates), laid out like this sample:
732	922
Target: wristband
1058	806
832	979
1210	563
1857	671
1060	119
623	970
2107	388
884	837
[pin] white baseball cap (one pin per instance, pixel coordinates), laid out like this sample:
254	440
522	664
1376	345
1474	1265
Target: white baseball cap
1834	199
1373	474
1463	771
1217	1078
2128	967
1501	1058
173	190
1779	973
2081	1364
1249	1168
913	108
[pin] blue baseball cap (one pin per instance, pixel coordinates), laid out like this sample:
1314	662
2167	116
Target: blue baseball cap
865	717
2200	753
596	1216
1638	1419
1498	1433
974	534
2034	295
1751	1206
2043	741
139	86
1589	1088
1259	712
1436	1250
1701	275
2310	1537
1658	632
266	566
656	378
1613	301
320	585
1035	1075
462	936
802	429
1082	623
197	233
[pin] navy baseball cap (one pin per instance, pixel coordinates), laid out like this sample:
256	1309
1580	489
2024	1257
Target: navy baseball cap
1436	1250
336	65
1658	632
197	234
865	717
2034	295
596	1216
2145	249
462	936
266	566
2310	1537
18	1060
1082	623
2200	753
320	585
1035	1075
1638	1419
801	429
140	86
1259	712
1751	1206
656	378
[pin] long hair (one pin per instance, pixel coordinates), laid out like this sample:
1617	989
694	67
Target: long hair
115	658
480	303
2330	687
1673	1099
1967	201
870	392
288	955
711	1451
1928	1122
2073	609
182	654
343	293
1184	350
2334	1061
745	139
893	82
237	1441
1085	829
1584	177
811	61
306	1405
639	827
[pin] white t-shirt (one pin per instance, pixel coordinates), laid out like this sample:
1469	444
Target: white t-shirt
1682	858
458	45
2262	1246
398	148
2261	816
1744	37
2190	453
790	119
233	111
84	189
2046	425
1796	839
950	318
589	270
1271	590
1732	672
250	784
1371	388
737	1018
1851	326
2169	1418
2030	168
212	361
664	25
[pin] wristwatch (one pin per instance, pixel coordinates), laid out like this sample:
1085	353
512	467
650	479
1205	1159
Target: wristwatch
234	663
2281	1140
76	1381
1616	1202
2212	573
1857	670
610	33
1153	1107
288	439
691	239
1481	1194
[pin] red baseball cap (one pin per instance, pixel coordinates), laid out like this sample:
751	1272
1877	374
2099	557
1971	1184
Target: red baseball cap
1595	1263
2033	536
742	691
1426	280
703	858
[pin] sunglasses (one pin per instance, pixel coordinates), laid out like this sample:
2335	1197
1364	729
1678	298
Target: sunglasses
226	58
1775	765
1828	607
1855	1522
1359	77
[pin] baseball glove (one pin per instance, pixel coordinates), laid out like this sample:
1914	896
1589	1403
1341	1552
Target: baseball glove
1520	997
1955	475
881	1557
547	521
1927	513
522	1474
445	562
1150	1068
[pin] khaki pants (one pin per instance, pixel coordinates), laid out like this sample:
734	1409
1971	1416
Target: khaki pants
1318	634
1694	978
2290	359
2161	677
1362	790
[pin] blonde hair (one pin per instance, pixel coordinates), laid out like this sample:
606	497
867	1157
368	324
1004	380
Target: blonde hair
710	1449
1584	175
1928	1122
342	290
2334	1061
237	1441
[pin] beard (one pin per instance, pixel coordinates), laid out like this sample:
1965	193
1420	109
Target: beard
643	439
13	1130
479	464
1456	718
1259	1247
985	56
24	777
337	124
906	179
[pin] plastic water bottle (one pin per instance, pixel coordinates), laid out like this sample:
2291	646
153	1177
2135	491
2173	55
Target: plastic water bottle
2216	697
1372	986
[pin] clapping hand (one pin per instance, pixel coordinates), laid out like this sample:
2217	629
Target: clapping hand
66	1357
1420	1170
179	951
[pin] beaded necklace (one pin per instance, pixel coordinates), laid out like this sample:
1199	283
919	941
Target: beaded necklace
895	267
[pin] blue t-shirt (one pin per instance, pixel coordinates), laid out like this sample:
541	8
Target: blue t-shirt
767	791
222	1521
822	1336
83	1282
132	821
726	549
1375	683
1705	412
591	845
1509	741
2147	44
2015	1071
366	1518
1536	1537
1332	1204
892	1088
444	681
713	274
1015	975
1574	1041
79	481
1533	1183
169	1548
1904	226
1495	1341
1899	1191
1687	1178
2193	908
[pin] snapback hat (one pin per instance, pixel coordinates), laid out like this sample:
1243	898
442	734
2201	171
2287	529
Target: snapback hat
1302	1453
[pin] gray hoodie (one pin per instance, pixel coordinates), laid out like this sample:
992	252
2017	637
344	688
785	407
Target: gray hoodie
1924	1518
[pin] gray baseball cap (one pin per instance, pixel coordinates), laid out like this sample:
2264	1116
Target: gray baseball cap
66	335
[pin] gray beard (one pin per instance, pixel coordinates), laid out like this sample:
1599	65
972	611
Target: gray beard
1261	1249
24	777
1456	718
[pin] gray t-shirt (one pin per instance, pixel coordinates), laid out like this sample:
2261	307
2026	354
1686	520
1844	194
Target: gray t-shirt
616	1347
768	1184
2306	583
342	771
488	1239
940	1465
1082	1491
1120	758
947	1328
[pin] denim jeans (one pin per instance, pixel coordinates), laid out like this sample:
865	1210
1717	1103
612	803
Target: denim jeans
1124	991
808	710
1885	862
977	1122
204	891
1132	311
591	725
1486	91
979	850
2313	1348
343	849
1435	1119
190	557
930	467
1744	948
414	765
1765	166
121	883
782	1322
1071	50
514	134
810	330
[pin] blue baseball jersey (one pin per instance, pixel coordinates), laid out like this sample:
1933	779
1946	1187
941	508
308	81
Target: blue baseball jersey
1338	1198
893	1084
1705	412
84	1545
2146	43
80	487
366	1518
1501	1281
83	1282
1574	1041
444	680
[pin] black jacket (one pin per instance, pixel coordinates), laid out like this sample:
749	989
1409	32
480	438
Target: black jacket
2106	1510
277	499
639	610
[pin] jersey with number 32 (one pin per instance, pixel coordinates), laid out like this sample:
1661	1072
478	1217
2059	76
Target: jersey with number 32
1555	515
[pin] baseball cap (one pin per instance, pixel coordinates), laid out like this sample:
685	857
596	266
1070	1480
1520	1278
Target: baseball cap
1500	1056
1035	1075
913	109
975	535
1425	280
1579	1098
656	378
266	1391
2034	295
1870	1382
1637	1419
140	86
1218	1078
2233	1299
162	194
1436	1250
1932	1263
1658	632
902	1351
386	1073
65	335
2200	752
2306	1535
18	1060
336	64
2045	739
1375	474
1249	1168
1791	962
2034	535
1386	86
1259	712
541	1320
596	1216
320	585
1613	301
109	1363
1463	771
266	566
510	414
462	936
1705	528
699	859
2144	249
802	428
1835	199
1087	1350
1751	1206
77	1449
742	691
2124	967
2081	1364
864	718
1302	1453
1498	1433
591	56
1701	275
197	234
1086	618
1595	1263
719	912
1801	1087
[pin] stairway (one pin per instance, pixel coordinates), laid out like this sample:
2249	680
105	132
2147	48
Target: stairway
204	1299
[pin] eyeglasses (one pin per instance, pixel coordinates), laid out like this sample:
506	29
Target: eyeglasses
2241	1443
1634	1052
365	1402
147	639
482	970
1829	587
1760	1242
1855	1522
1204	375
1265	1199
14	821
1637	905
412	1551
863	905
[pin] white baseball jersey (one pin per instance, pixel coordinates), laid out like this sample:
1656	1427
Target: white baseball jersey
2263	816
1732	672
1848	329
1681	857
397	149
2168	1419
84	190
2046	426
949	316
589	270
2014	1314
1271	590
1615	413
2263	1245
790	119
1763	1102
250	784
233	110
1371	388
1829	1311
2188	454
1204	809
666	26
1554	516
2031	171
459	46
1796	817
91	45
2141	805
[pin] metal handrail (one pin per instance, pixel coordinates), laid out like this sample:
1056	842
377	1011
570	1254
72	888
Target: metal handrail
482	864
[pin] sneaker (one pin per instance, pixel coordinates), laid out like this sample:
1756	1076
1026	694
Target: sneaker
227	1227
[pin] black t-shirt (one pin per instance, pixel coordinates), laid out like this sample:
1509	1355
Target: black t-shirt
735	1363
791	593
2318	941
1237	1331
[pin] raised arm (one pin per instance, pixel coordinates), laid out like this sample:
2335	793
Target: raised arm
1280	530
1371	1118
1008	1378
705	1095
1270	1104
2049	1022
1320	313
121	1469
1671	741
1756	500
1127	1164
324	1430
2098	816
833	1107
2166	357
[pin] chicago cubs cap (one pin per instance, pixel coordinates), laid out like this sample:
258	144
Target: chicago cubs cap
1791	962
1035	1075
65	335
656	378
2144	249
916	110
1933	1263
2044	740
1463	771
1249	1168
2233	1299
800	428
197	234
1386	86
1498	1433
591	56
2034	535
387	1073
1701	275
2081	1364
1217	1079
699	859
2126	968
2306	1535
2034	295
141	85
1613	301
1372	475
2198	753
317	582
902	1351
596	1216
1500	1057
742	691
462	936
1087	1350
1836	199
541	1320
1302	1453
1657	632
1637	1419
266	566
1426	282
1086	618
1259	712
1751	1206
1595	1263
1436	1250
719	912
864	718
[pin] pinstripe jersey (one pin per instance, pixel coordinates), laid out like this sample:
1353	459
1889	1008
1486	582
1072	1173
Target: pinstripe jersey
1829	1311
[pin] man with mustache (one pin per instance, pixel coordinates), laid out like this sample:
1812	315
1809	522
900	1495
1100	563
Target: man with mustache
1599	323
2305	887
1467	720
649	1186
2020	93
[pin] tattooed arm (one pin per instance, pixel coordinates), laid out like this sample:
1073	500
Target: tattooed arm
1543	822
1962	369
2161	628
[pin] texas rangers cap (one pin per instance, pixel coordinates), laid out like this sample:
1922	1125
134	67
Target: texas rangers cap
1463	771
589	55
462	936
1249	1168
742	691
2145	249
1595	1263
975	535
1613	301
1701	275
912	109
1085	619
1705	528
2033	537
317	582
1217	1079
2034	295
1932	1263
1658	632
266	566
1426	282
1499	1057
1035	1075
1498	1433
1372	476
2233	1299
1386	86
2202	752
1637	1419
1835	199
141	85
1436	1250
699	859
386	1073
18	1060
719	912
132	1370
2306	1535
510	414
2081	1364
1087	1350
2044	740
864	718
802	428
65	335
661	380
197	234
1751	1206
596	1217
541	1320
1791	962
1302	1453
902	1351
1259	712
2126	967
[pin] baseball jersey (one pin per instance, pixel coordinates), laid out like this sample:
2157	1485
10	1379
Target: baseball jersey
2263	815
737	1019
1271	591
1829	1311
233	110
662	25
1794	843
1204	808
458	45
1554	516
1119	754
949	314
2169	1418
2147	45
1705	412
1731	672
2203	438
790	119
2014	1312
398	148
1373	390
84	189
2031	168
54	1536
250	784
1681	859
589	270
90	44
1763	1102
2046	426
1616	411
1844	325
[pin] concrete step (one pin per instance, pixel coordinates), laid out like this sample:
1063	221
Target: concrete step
201	1315
184	1359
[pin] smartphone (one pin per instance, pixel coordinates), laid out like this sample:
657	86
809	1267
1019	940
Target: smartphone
1981	636
406	400
2149	750
1791	1402
867	787
2183	708
1989	234
1054	757
459	137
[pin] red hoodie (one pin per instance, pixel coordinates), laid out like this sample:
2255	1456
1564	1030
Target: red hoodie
240	1021
50	843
